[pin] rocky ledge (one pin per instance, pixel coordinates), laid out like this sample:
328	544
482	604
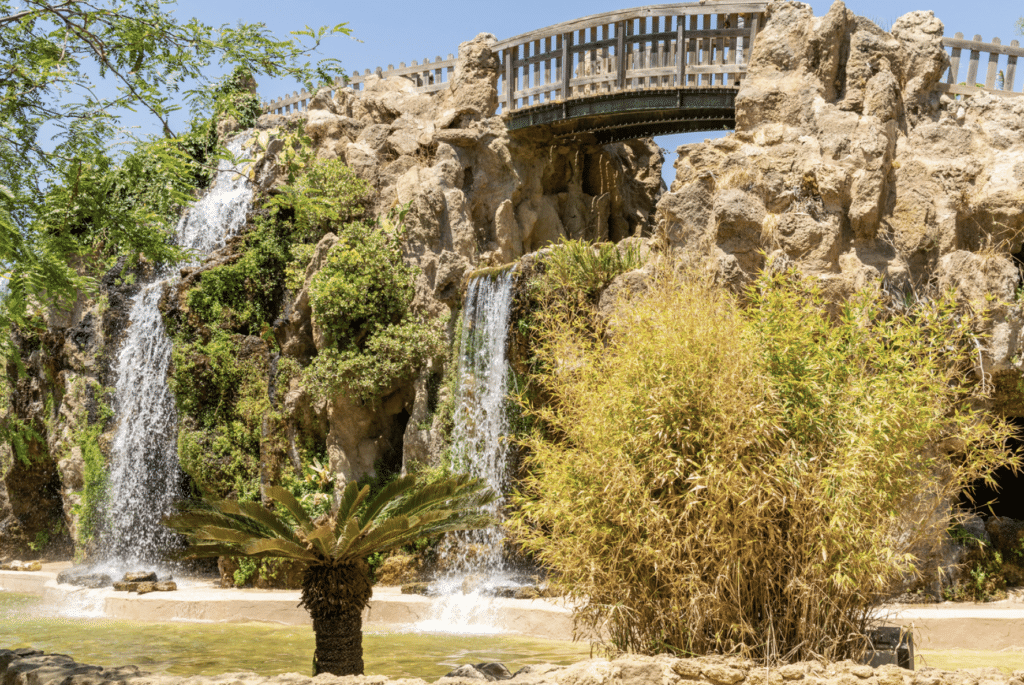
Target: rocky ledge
31	667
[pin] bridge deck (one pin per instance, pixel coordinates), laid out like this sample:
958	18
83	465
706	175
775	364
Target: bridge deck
627	115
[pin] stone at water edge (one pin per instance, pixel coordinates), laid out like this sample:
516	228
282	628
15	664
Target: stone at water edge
22	566
146	587
489	671
140	577
84	579
416	589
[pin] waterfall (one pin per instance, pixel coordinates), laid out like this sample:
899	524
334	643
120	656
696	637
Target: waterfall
481	423
144	476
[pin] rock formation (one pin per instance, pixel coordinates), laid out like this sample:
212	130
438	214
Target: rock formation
476	196
847	162
32	667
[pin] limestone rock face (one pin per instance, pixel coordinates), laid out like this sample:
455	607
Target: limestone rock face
846	161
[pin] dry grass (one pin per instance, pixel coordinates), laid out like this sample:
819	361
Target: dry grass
746	480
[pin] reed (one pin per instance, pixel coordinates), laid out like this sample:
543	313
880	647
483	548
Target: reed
747	474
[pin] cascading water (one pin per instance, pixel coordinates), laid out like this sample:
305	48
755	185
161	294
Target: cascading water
144	475
475	559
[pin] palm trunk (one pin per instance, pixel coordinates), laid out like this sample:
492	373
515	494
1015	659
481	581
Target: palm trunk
335	597
339	644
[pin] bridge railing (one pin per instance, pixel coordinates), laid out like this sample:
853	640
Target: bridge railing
659	46
1000	66
428	77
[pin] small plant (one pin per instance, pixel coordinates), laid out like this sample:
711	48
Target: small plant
327	194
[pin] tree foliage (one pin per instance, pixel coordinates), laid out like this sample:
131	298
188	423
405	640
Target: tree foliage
69	69
711	477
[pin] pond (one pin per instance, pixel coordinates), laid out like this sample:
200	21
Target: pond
187	648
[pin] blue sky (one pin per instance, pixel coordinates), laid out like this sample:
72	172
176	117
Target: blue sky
403	30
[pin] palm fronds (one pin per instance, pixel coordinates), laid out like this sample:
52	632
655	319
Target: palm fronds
400	513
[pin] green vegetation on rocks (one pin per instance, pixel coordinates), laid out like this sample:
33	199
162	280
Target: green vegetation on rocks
362	303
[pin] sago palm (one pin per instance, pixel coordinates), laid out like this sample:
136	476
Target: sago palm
336	584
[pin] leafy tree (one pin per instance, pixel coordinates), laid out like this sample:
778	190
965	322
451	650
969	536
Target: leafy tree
336	585
60	207
711	474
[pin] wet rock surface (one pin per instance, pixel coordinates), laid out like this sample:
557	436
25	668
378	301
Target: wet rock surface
84	577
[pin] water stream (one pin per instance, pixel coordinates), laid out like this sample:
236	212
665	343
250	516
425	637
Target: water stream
475	560
144	475
201	648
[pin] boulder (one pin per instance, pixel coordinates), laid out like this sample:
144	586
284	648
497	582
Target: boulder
84	577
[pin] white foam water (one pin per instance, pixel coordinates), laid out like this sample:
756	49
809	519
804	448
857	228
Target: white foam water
461	614
479	443
144	475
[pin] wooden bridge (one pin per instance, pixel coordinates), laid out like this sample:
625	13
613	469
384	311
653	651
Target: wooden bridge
645	71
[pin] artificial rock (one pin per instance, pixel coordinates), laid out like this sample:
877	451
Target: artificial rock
847	162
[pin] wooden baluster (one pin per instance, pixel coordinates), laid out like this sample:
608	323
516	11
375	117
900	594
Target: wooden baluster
972	65
558	65
662	25
510	78
642	52
548	94
708	52
755	21
630	54
954	64
566	67
603	33
654	53
1011	68
620	56
680	51
993	66
692	50
722	22
732	78
592	60
668	51
305	98
535	80
606	67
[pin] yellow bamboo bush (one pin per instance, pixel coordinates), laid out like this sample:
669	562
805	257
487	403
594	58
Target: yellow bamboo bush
713	473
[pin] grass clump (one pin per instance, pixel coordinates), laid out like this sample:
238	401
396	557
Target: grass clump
710	476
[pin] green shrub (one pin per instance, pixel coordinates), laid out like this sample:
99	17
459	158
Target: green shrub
710	478
361	300
221	390
243	296
328	194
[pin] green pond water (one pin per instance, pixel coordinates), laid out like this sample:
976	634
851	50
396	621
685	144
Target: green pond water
183	648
